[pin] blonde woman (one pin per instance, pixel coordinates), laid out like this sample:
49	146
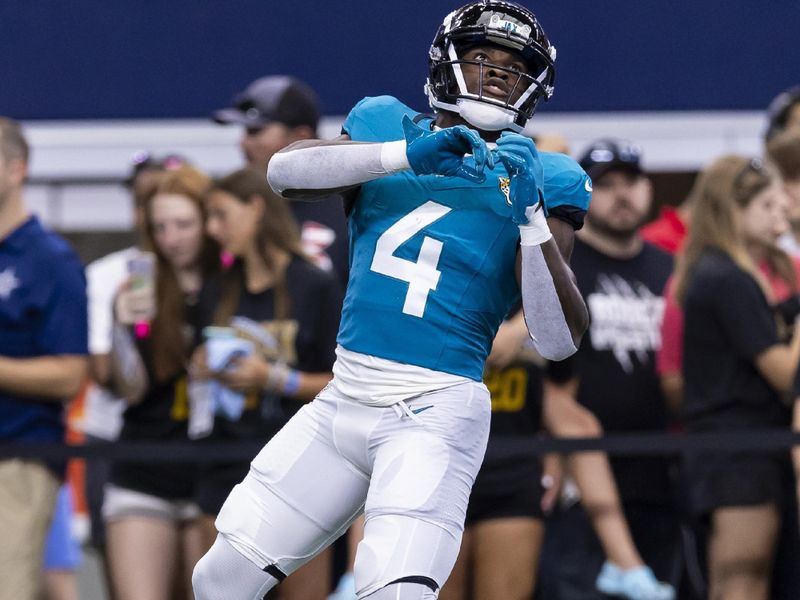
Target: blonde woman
737	370
274	297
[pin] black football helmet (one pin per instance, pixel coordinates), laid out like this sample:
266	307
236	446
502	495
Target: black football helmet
490	22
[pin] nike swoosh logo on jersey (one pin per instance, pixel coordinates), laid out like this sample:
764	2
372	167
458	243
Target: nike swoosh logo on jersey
416	411
588	185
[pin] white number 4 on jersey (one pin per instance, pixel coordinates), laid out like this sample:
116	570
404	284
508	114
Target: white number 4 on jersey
422	276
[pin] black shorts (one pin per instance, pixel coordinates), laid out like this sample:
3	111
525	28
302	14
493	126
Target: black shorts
717	480
215	482
507	487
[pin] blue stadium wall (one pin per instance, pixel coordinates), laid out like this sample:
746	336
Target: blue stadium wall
182	58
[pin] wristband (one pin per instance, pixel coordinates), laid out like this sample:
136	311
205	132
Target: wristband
393	156
276	378
536	231
292	383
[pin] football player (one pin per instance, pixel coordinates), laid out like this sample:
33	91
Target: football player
451	222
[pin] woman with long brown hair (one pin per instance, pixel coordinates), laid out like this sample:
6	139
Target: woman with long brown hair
273	297
737	367
151	519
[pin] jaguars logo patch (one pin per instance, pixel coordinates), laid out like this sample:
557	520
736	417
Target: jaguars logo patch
505	186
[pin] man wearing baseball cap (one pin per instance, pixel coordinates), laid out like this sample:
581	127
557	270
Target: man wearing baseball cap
783	113
275	111
621	279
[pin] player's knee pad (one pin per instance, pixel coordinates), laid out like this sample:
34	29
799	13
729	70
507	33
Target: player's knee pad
407	588
399	548
224	574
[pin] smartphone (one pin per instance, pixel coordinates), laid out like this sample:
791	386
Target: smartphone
142	285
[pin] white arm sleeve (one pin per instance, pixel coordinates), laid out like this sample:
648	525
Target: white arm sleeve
335	166
544	316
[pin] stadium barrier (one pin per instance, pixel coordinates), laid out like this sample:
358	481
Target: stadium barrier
634	444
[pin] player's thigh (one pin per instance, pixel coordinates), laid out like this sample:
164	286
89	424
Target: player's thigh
423	471
506	557
457	585
299	495
425	466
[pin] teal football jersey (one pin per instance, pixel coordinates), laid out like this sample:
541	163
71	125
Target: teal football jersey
432	259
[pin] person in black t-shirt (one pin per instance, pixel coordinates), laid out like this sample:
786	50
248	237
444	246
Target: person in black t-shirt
613	375
273	296
736	369
149	509
505	517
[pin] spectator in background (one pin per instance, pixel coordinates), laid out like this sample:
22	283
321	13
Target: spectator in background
151	519
783	151
505	525
102	414
612	375
289	310
513	492
783	113
43	363
276	111
736	369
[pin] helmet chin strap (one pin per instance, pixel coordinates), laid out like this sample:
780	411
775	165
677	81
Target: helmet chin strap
485	116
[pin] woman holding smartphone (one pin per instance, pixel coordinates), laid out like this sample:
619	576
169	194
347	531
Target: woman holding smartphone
288	309
737	367
151	518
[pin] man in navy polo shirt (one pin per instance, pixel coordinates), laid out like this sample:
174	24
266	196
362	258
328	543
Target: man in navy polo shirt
43	362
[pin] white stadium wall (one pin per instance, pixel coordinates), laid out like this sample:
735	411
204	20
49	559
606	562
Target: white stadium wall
77	166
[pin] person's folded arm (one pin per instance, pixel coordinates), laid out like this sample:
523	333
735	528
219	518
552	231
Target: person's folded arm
57	378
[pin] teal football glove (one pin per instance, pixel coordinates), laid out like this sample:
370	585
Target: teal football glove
442	152
521	159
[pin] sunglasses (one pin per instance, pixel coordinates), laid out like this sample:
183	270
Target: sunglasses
754	166
626	153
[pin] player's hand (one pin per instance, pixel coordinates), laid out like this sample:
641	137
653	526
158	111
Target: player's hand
442	152
520	157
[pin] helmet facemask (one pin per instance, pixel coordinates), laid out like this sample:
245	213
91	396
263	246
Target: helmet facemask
497	24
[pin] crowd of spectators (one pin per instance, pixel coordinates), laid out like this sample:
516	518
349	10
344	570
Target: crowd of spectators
221	322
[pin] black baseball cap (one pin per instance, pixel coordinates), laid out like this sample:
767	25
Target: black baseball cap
607	155
277	98
778	110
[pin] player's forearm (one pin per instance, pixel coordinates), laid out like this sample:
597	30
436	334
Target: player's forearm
55	378
314	168
555	312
